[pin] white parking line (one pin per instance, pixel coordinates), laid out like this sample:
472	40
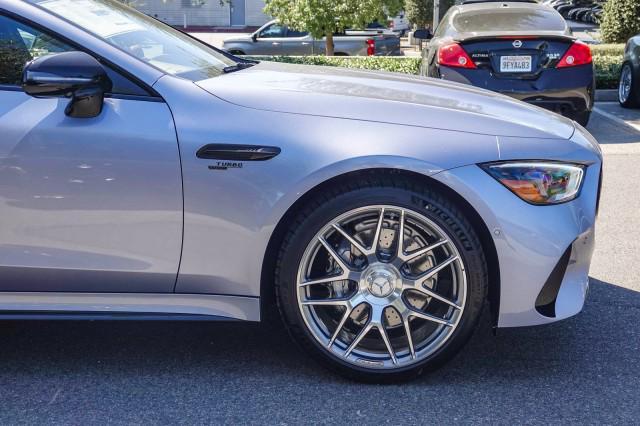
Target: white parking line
618	120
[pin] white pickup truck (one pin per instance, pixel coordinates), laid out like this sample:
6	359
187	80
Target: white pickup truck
275	39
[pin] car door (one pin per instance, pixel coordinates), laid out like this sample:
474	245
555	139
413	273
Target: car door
270	39
297	43
87	204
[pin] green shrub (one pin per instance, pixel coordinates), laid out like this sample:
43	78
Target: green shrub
620	20
403	64
608	49
607	59
607	70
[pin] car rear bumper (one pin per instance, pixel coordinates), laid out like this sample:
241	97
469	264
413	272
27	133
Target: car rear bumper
544	252
566	91
569	103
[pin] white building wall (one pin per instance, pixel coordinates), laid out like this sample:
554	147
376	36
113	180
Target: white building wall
253	13
196	12
200	12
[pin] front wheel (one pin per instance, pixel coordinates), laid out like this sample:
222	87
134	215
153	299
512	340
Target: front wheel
628	90
383	282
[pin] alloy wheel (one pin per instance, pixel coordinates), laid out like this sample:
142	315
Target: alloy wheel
381	287
624	87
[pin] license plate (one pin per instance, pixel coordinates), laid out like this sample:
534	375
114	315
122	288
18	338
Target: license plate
515	64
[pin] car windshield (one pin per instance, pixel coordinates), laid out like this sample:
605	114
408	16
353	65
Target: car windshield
143	37
508	20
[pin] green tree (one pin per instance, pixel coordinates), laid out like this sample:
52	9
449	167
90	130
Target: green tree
420	12
323	18
620	20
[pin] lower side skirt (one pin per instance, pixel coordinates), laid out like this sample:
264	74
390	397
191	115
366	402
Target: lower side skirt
98	316
125	306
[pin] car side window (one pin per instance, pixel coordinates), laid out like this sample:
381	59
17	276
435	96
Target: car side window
294	33
19	44
272	31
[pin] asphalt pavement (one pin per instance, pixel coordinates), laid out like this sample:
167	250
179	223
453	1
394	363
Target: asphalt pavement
582	370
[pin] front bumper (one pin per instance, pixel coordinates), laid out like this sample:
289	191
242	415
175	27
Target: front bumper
531	240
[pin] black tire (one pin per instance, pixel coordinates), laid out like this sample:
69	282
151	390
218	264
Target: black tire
372	190
237	52
582	117
633	100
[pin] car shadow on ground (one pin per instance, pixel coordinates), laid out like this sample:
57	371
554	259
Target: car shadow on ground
231	370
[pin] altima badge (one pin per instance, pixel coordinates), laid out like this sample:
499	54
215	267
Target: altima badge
517	44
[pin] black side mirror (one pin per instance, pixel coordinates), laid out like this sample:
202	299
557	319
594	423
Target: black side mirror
254	37
74	75
423	34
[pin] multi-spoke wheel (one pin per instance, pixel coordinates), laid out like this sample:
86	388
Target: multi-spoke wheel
380	283
628	90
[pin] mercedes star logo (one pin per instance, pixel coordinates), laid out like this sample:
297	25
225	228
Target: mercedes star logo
380	286
517	44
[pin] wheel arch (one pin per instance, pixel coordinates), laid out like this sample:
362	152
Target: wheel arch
267	293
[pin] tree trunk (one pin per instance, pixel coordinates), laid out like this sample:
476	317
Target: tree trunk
329	43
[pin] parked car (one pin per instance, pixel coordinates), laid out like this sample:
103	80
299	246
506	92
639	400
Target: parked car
399	23
145	175
521	49
588	11
371	28
629	85
275	39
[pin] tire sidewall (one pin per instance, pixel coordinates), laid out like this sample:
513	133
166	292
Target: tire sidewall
632	100
422	203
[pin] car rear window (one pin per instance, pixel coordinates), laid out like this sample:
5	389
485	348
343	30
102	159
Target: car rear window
509	20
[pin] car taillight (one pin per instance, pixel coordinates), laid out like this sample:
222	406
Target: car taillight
453	55
371	47
579	53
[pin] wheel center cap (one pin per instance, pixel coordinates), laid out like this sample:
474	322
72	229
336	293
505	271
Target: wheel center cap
380	281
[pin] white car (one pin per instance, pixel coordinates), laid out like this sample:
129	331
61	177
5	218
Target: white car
145	175
399	23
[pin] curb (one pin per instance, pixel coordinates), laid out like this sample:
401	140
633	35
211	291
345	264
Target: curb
607	95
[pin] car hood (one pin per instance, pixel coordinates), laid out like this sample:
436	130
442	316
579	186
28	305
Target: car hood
237	39
384	97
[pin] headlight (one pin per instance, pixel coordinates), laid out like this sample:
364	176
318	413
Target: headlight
539	182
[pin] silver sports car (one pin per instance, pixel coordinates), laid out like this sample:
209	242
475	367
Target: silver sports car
146	175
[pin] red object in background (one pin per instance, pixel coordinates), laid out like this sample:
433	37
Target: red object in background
371	47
